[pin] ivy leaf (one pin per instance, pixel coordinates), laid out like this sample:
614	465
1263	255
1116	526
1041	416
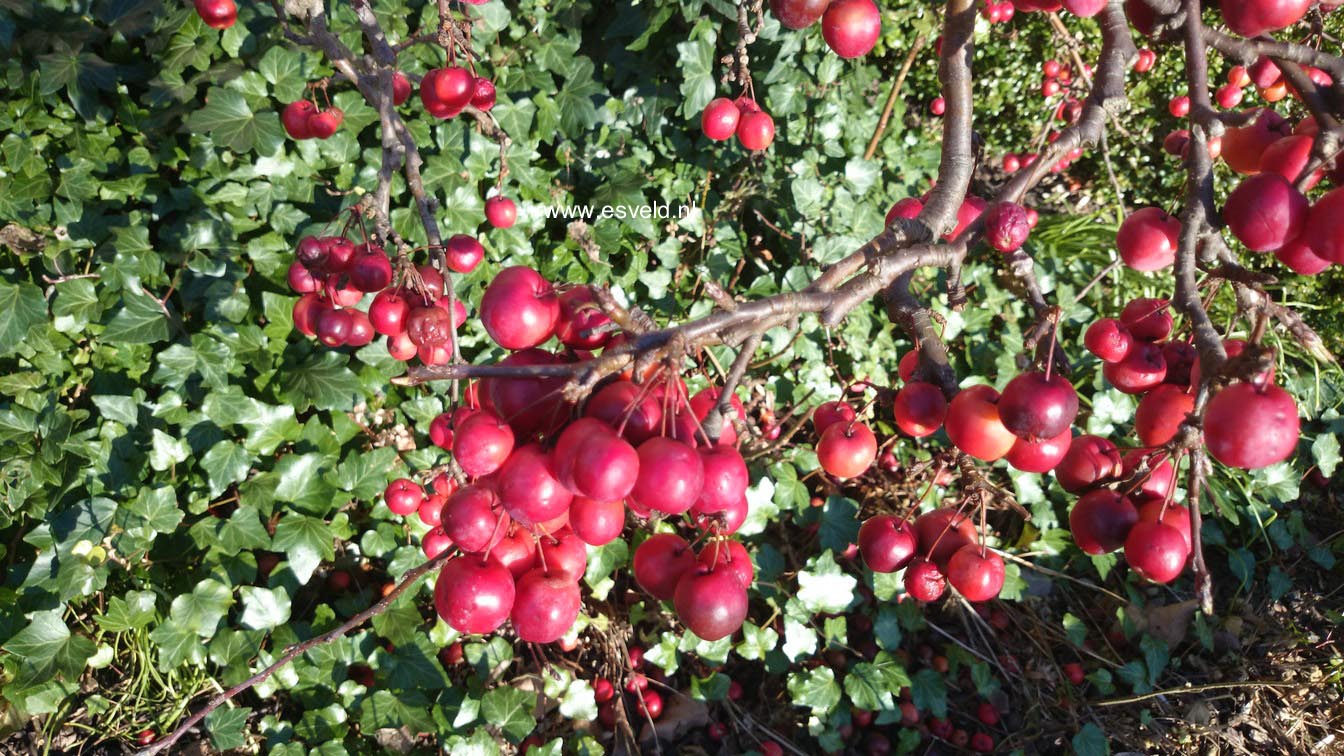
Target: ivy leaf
134	611
1325	450
46	646
139	321
823	588
1090	741
264	608
306	543
839	523
201	610
226	726
230	120
323	382
929	691
510	710
22	306
815	688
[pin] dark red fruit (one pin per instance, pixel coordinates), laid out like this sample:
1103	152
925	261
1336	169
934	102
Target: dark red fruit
529	489
482	443
519	308
1148	238
1101	520
976	572
829	413
545	606
1251	427
730	555
1090	460
659	563
798	14
671	476
1006	226
1143	369
501	212
463	253
923	581
473	519
217	14
847	450
1160	414
1265	211
851	27
1039	456
887	543
919	409
295	118
712	603
1108	339
1034	406
1156	551
942	532
473	597
974	425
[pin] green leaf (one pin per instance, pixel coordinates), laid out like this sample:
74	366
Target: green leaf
1090	741
22	306
47	646
140	320
201	610
929	692
839	523
823	588
227	727
510	710
306	543
134	611
1325	450
323	381
815	688
230	120
264	608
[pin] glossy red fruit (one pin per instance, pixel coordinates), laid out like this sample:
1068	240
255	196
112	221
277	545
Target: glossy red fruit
887	543
217	14
702	402
1298	256
333	326
1160	414
976	572
725	480
1148	238
730	555
563	553
403	496
516	551
472	596
501	212
907	365
401	88
1143	369
1180	357
1325	226
1251	427
650	704
545	606
987	714
463	253
1101	520
596	523
388	313
798	14
295	118
756	130
483	94
919	409
441	431
1147	319
719	119
924	581
446	91
482	443
519	308
472	517
974	425
829	413
1108	339
1084	9
634	412
301	280
938	106
400	347
971	209
324	123
582	323
847	450
1033	406
1252	18
942	532
908	208
1265	211
429	326
1040	456
983	742
711	603
1169	513
1288	157
1156	551
1006	226
1244	146
529	489
602	466
1090	460
370	270
433	285
851	27
528	405
1179	106
659	563
435	542
307	310
671	476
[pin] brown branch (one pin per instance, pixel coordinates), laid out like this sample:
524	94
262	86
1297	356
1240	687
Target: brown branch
892	96
295	650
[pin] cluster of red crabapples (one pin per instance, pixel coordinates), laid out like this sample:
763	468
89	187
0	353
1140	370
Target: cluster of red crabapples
333	275
545	479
